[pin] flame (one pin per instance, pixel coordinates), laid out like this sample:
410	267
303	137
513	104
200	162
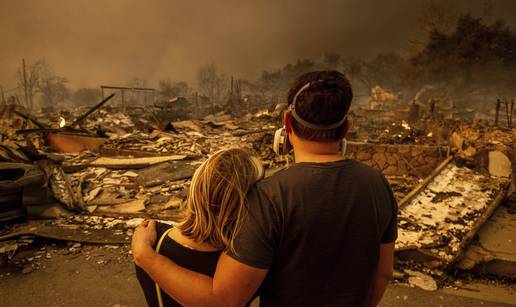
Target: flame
430	134
262	113
62	122
405	125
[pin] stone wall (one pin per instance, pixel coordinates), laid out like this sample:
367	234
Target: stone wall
416	160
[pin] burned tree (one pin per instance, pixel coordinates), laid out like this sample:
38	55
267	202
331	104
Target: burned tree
209	81
28	78
331	60
52	87
86	96
169	89
475	54
437	16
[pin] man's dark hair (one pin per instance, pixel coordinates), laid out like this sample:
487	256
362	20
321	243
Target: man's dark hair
325	101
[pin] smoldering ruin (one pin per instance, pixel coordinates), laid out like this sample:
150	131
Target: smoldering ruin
82	166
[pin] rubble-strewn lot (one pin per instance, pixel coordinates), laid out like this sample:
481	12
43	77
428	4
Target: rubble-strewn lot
440	217
95	181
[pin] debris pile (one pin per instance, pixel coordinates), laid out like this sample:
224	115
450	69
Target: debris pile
99	172
132	171
109	123
486	147
441	219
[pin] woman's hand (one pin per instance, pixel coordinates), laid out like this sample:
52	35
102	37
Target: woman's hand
143	240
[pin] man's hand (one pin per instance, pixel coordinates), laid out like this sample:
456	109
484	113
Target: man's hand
144	238
234	283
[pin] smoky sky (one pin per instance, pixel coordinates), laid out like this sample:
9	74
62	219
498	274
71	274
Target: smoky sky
94	42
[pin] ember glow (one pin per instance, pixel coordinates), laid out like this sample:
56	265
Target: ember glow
430	134
405	125
62	122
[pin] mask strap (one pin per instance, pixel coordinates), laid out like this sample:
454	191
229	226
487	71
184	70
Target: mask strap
314	126
303	122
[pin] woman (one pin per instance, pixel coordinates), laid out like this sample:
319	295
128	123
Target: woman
213	217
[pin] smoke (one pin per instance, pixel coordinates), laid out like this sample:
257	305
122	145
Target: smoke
94	42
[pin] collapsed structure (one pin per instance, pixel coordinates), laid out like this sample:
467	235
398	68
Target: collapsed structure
99	176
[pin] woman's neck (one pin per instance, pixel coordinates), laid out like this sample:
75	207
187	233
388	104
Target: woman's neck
177	236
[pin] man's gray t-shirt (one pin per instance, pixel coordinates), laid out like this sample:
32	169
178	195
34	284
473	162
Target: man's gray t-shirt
317	228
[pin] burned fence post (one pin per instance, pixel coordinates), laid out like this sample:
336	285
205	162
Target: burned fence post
508	111
498	102
2	96
132	91
432	107
123	100
25	84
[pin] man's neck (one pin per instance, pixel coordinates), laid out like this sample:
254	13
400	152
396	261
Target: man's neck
317	158
308	151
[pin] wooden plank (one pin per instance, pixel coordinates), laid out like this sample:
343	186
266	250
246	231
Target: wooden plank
81	118
134	206
118	152
127	88
72	234
12	215
133	163
168	171
423	184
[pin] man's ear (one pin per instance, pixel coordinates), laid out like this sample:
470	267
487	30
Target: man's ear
288	122
346	127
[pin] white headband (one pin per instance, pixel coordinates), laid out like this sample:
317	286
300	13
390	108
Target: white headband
303	122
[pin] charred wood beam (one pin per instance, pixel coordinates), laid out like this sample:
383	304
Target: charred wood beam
98	105
51	130
242	133
423	184
127	88
13	215
63	233
497	112
508	112
31	118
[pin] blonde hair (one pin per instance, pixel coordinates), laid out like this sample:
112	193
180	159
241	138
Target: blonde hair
215	209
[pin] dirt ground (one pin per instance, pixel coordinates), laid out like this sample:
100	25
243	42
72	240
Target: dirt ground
104	276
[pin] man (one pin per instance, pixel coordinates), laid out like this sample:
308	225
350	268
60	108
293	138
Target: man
320	233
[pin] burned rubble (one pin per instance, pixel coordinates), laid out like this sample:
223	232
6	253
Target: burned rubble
92	181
